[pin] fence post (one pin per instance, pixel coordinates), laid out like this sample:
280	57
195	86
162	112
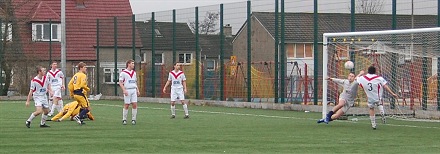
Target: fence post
98	83
438	58
222	56
353	28
115	73
315	53
50	43
153	71
249	52
393	55
133	35
174	36
283	55
197	54
1	56
277	44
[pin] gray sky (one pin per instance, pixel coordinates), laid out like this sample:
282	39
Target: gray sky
145	6
235	10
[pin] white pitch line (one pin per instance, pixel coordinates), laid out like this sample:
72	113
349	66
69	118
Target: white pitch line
266	116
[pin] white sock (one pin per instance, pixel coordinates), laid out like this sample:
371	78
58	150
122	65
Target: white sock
60	105
382	111
173	110
59	108
43	119
185	108
52	109
31	117
124	113
133	113
373	121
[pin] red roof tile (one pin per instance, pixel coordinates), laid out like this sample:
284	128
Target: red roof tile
80	26
44	13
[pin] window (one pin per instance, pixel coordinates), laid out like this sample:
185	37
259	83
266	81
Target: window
302	50
158	59
3	76
8	32
158	34
185	58
210	65
41	32
109	71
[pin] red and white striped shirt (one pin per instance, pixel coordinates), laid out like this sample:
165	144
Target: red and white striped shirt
39	86
373	86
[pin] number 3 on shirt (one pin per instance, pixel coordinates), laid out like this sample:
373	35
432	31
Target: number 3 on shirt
371	87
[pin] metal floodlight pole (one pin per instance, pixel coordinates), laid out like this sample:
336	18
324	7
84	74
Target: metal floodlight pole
63	38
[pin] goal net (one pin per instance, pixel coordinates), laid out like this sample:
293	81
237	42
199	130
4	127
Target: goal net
407	59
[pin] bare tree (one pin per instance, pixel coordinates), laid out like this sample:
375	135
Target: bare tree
10	43
208	25
369	6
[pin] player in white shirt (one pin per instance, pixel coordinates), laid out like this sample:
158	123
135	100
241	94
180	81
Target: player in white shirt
39	88
56	80
128	84
178	90
346	98
373	86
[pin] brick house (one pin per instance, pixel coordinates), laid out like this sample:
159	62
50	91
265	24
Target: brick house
34	32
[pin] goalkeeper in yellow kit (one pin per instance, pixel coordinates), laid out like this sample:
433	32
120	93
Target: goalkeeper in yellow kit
78	90
71	109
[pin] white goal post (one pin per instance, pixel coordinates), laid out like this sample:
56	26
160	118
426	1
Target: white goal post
395	51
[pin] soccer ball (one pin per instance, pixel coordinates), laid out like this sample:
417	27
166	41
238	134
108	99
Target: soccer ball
349	65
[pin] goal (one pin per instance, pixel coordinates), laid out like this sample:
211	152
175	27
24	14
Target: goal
407	59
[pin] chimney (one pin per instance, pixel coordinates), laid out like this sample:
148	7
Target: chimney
227	30
80	4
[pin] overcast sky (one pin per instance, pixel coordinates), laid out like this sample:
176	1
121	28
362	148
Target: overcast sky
235	10
145	6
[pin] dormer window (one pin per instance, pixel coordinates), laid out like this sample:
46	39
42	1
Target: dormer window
158	34
80	4
42	32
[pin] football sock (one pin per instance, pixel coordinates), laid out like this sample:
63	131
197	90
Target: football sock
83	112
60	105
31	117
43	119
173	110
52	109
329	115
373	121
124	113
133	113
185	108
382	111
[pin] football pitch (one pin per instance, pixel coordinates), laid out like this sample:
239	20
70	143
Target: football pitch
209	130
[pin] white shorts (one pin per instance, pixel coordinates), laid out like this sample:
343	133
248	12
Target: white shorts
177	94
132	96
41	101
372	104
56	91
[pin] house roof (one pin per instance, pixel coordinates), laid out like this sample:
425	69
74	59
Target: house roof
80	25
299	26
210	45
44	12
185	39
